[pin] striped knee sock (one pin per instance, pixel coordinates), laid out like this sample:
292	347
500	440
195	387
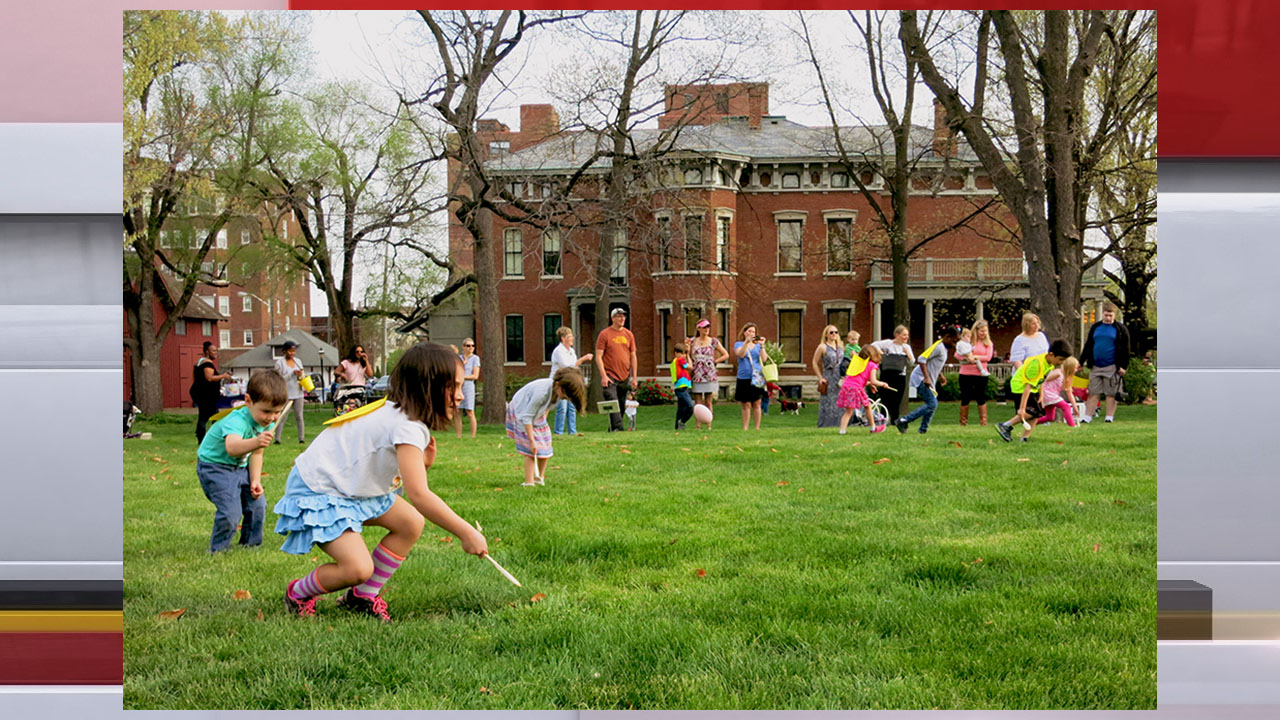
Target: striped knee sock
385	563
307	587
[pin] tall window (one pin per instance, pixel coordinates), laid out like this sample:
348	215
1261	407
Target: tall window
244	237
206	328
842	318
224	338
789	246
840	245
664	328
512	253
693	242
248	338
722	244
724	336
246	304
789	333
691	317
224	304
180	327
550	324
222	239
722	103
515	338
551	254
664	244
618	273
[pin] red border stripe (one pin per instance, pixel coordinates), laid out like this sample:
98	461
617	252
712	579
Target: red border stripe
61	659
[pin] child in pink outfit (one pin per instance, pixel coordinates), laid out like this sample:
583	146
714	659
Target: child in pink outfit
853	391
1054	398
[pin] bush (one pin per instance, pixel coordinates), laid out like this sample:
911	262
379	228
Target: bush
951	391
774	353
1139	378
514	383
649	392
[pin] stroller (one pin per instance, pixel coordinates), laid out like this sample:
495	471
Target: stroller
348	398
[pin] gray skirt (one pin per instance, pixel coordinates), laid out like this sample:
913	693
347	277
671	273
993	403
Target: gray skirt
706	387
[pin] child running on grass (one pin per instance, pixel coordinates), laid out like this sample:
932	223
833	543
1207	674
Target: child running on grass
527	419
1027	382
853	391
1056	394
229	462
347	479
683	386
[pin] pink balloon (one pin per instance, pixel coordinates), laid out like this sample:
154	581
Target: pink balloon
702	413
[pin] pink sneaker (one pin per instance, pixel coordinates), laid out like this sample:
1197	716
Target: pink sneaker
374	606
301	608
878	429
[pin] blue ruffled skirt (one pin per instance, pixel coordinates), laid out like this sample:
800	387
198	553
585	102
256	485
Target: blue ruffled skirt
308	518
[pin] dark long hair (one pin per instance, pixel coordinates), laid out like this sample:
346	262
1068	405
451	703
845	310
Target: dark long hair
424	382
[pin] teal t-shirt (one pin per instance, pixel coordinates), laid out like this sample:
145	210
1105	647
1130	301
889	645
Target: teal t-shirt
214	447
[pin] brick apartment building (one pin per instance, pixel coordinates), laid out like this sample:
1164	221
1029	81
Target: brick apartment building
752	219
256	306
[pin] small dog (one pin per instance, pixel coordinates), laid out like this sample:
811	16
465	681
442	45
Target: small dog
790	405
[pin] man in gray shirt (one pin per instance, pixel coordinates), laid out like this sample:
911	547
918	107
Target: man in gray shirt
927	377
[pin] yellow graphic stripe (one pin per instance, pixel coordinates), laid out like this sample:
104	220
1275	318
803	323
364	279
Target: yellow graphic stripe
61	621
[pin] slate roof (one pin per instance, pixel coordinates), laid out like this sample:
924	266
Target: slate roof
776	139
308	352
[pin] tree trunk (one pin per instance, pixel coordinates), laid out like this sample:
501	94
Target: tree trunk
489	313
148	388
603	288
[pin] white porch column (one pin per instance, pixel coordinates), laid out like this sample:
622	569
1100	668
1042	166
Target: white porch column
978	308
875	320
928	322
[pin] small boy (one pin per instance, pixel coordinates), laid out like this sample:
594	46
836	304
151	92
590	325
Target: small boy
851	346
683	385
632	406
927	377
229	462
1027	382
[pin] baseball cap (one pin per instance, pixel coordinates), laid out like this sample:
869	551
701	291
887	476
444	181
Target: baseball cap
617	311
704	323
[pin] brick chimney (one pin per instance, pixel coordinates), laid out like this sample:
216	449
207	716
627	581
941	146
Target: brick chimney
757	104
537	123
945	144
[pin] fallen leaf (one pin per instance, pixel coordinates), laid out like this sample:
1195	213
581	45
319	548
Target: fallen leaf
1119	502
673	541
153	477
241	595
686	449
881	461
783	482
1060	442
1064	463
978	560
701	573
1024	459
485	690
739	449
626	451
1080	503
991	442
497	489
773	449
446	539
953	442
857	444
800	490
1096	546
538	598
260	616
172	614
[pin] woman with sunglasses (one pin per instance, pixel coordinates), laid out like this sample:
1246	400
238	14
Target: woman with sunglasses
470	374
826	365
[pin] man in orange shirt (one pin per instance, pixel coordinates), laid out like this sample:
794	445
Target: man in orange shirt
616	361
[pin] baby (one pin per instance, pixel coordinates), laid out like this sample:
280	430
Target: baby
965	346
632	407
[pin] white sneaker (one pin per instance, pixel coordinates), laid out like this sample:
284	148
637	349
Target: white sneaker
1026	425
1086	419
540	480
529	484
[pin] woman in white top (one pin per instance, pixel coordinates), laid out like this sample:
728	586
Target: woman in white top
1030	343
564	356
895	366
290	368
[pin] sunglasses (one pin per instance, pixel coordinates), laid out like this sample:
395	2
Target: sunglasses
467	345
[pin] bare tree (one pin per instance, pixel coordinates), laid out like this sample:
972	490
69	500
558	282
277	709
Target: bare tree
1040	188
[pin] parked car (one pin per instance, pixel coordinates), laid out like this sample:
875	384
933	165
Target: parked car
379	387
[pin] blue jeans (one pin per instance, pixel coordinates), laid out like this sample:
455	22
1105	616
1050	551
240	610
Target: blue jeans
566	412
684	406
228	489
925	411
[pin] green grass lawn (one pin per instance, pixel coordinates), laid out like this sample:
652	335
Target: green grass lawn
778	569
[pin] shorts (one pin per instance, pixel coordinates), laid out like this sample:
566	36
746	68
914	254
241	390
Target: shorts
1034	408
1105	381
745	392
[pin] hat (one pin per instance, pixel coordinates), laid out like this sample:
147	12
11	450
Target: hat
704	323
618	311
288	345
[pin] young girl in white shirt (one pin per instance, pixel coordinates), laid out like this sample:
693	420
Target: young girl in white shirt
347	479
